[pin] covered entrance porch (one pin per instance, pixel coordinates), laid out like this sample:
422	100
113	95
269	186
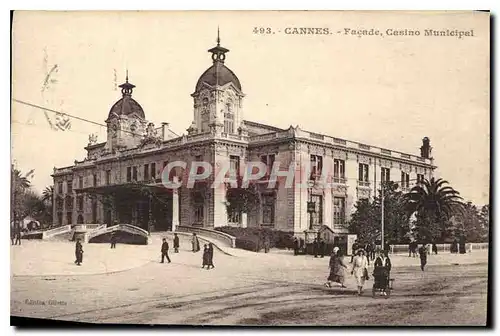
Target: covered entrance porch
151	207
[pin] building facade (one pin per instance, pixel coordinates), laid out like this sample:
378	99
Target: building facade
120	180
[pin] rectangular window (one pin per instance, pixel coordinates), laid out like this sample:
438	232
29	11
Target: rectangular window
134	174
146	172
385	174
268	209
316	166
234	166
95	180
129	174
79	201
339	211
59	187
60	218
338	171
80	182
94	211
318	206
153	171
198	213
60	203
363	173
405	180
420	178
234	217
228	126
69	187
69	217
108	177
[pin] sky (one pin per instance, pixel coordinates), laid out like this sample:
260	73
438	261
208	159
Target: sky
387	91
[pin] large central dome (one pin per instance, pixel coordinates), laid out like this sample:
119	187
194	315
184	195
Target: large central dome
218	74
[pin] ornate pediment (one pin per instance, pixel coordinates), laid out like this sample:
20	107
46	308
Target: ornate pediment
339	154
364	159
339	189
385	163
405	167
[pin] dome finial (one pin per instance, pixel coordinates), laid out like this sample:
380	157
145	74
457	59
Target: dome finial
218	52
127	87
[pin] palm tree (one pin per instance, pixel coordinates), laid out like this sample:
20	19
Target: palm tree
48	194
434	203
19	181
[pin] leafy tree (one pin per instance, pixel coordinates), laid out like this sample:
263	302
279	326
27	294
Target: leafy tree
364	221
243	198
435	203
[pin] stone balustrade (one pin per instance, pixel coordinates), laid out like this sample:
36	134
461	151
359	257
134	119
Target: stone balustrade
217	235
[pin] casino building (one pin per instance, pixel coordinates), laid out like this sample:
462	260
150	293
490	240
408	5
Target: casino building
120	179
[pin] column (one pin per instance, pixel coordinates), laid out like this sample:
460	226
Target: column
175	209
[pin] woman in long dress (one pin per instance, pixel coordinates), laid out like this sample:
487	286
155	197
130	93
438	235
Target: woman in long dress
206	257
360	269
382	272
337	267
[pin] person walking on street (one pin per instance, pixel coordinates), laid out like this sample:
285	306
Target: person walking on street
434	248
267	244
315	247
206	257
322	248
210	255
176	243
337	268
195	243
78	252
18	236
164	251
355	247
422	251
12	235
295	246
113	240
360	269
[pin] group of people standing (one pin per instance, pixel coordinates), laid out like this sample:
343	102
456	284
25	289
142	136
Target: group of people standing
359	269
208	250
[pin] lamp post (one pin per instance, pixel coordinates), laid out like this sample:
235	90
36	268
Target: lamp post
311	206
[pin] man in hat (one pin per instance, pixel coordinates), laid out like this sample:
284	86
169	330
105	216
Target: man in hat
78	252
164	251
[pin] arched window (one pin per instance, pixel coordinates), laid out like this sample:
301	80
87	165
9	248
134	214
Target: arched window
205	115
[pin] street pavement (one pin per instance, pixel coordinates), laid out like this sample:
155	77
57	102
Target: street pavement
129	285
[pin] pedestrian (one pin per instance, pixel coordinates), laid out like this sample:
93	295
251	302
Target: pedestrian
360	269
164	251
295	246
461	245
113	240
211	255
434	248
322	248
372	249
267	244
78	252
382	272
18	236
315	247
195	243
422	251
355	247
12	235
206	257
176	243
337	268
